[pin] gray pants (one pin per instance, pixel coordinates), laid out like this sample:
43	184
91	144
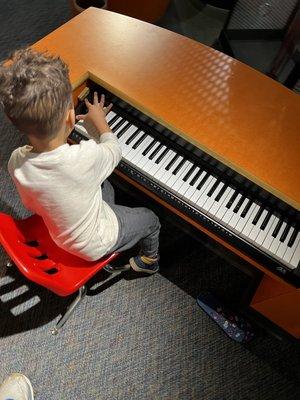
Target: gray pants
136	225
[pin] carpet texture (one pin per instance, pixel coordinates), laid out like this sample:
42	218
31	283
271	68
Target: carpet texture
141	338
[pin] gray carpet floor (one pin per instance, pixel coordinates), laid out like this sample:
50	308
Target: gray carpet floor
141	338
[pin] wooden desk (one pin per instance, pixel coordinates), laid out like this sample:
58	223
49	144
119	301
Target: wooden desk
224	107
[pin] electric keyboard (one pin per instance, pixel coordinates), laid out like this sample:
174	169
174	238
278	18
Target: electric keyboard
223	201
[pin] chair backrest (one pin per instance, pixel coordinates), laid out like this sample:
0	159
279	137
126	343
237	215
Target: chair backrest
29	245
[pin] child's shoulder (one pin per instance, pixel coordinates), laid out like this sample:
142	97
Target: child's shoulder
19	151
15	156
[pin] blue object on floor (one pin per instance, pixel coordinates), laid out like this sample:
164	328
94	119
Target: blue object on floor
235	326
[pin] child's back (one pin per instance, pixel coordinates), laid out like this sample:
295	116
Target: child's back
63	186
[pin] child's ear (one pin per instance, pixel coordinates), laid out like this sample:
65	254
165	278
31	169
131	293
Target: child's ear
71	118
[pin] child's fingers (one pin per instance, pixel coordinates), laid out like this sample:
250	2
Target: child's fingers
95	99
87	103
102	101
80	116
108	108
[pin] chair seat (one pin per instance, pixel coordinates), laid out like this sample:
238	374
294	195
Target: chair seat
30	247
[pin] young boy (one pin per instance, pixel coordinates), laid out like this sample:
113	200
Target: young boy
62	183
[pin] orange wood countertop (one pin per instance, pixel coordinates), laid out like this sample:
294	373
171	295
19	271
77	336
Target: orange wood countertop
236	114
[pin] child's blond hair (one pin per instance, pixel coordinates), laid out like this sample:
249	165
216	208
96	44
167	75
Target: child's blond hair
35	92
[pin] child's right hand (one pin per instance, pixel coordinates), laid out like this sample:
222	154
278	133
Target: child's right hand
96	114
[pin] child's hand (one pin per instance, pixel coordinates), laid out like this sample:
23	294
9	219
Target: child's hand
96	114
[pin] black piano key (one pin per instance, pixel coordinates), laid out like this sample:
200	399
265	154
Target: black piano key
239	203
293	237
189	173
277	228
113	120
123	130
166	150
285	233
203	180
266	220
258	215
118	125
221	192
232	198
176	170
246	209
139	141
131	137
149	147
195	177
172	161
213	188
153	154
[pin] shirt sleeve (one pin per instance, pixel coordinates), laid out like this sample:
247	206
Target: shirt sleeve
107	155
11	165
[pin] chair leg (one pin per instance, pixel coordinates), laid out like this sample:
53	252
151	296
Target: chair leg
81	293
116	269
69	312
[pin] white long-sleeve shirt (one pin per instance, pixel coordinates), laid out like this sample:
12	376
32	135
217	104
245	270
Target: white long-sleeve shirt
63	187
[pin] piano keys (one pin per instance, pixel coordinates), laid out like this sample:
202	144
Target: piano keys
226	203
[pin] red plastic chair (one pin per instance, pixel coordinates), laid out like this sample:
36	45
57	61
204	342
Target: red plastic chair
30	247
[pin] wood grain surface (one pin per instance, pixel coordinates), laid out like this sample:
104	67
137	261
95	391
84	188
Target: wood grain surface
224	107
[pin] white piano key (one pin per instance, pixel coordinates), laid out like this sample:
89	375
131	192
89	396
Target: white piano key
184	169
256	228
290	250
126	134
164	162
217	204
269	238
125	125
175	165
110	116
229	213
203	193
223	201
81	129
151	167
211	199
276	242
145	159
243	221
175	181
187	190
138	154
217	189
263	233
296	256
186	185
141	148
169	173
131	152
249	225
236	216
283	245
119	119
126	148
197	193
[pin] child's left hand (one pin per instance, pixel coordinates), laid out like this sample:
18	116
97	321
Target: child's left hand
96	113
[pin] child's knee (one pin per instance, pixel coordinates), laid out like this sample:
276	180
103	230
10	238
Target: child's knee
153	218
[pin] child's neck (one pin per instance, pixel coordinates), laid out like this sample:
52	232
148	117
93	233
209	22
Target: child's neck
44	145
